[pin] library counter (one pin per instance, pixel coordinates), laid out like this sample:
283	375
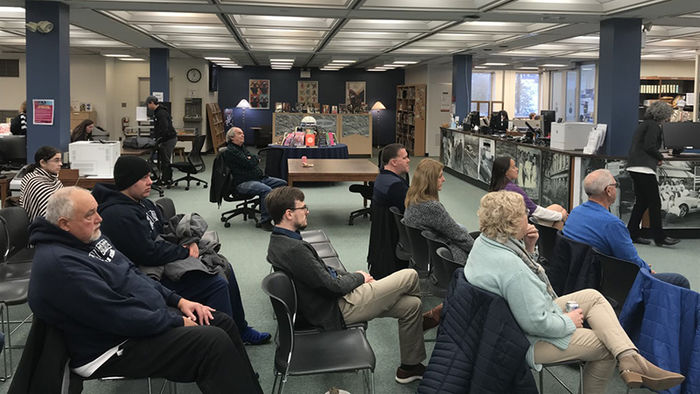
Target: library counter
552	176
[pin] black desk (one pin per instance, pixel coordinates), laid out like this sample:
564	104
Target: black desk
338	151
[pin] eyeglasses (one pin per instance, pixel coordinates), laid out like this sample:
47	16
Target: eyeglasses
302	207
614	184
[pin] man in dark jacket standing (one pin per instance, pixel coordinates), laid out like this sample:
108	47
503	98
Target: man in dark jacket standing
135	226
117	321
329	299
248	178
165	136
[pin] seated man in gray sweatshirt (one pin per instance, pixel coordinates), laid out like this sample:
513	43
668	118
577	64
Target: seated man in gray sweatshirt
329	299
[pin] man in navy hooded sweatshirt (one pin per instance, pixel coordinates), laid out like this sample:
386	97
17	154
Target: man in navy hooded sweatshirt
134	225
115	320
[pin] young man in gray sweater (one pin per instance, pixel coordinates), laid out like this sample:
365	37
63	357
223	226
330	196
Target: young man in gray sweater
329	299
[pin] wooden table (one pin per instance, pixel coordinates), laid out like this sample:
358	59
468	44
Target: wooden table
331	170
70	177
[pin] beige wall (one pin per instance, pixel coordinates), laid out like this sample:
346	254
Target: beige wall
439	80
106	83
88	85
655	68
13	90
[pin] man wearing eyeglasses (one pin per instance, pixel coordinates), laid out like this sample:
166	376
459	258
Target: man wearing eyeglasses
330	299
593	224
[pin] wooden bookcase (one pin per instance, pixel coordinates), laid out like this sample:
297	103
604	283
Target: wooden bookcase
410	118
216	126
664	88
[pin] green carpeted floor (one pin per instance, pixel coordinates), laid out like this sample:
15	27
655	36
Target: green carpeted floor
330	204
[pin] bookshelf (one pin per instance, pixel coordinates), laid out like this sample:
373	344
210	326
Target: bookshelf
410	118
664	88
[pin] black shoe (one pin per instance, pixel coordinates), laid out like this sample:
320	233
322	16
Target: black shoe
267	225
667	241
640	240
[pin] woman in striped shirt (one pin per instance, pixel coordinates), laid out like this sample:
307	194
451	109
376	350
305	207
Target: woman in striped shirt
41	181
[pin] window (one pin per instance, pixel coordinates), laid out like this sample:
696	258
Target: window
571	77
481	92
587	93
558	97
9	68
527	93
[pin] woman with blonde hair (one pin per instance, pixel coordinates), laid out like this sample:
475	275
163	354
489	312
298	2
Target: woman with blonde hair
424	210
502	261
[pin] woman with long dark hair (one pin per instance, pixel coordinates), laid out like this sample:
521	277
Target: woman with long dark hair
83	131
503	175
40	181
644	157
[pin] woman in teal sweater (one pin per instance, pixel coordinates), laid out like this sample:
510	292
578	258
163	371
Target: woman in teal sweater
502	261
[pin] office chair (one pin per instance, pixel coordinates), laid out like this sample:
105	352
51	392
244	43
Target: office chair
193	165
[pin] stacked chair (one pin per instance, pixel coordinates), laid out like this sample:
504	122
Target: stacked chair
15	270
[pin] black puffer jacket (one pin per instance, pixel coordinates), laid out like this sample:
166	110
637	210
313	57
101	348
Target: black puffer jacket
479	348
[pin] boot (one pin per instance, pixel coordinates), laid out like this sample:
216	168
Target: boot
636	371
431	318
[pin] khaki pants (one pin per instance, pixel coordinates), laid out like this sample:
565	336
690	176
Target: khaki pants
598	346
397	295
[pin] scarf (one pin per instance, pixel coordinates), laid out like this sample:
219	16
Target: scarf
519	248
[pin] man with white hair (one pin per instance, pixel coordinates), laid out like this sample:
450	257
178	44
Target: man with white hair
593	224
248	178
115	320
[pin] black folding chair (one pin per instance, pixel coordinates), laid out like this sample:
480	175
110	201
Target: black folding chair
313	352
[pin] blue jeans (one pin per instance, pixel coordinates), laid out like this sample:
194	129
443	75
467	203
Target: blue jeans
213	291
261	188
674	279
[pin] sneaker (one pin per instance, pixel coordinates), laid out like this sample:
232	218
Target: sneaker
253	337
410	375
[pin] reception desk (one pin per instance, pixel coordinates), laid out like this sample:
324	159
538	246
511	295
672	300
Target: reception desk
353	130
552	176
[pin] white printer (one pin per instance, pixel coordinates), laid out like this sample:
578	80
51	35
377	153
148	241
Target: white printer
93	158
570	135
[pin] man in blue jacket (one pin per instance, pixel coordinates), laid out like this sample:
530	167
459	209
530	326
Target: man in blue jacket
135	225
593	224
115	320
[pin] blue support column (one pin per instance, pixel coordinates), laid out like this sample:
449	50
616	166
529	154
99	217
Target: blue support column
48	75
618	83
160	72
462	85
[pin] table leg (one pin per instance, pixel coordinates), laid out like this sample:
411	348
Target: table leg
4	188
364	200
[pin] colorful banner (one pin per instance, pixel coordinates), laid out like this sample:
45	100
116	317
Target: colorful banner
43	110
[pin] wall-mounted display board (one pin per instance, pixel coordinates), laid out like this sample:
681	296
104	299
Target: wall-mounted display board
354	130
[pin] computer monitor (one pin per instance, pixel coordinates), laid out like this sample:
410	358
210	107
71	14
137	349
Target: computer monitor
681	135
548	116
13	151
